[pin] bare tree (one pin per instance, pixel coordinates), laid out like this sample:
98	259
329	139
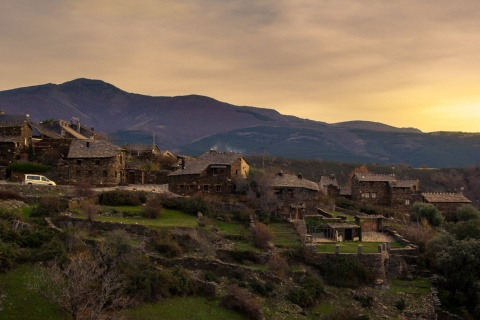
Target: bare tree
85	286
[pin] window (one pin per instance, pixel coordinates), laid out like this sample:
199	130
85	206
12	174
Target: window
214	171
105	174
290	193
407	202
90	173
218	188
79	162
374	195
97	162
367	194
191	187
205	187
181	186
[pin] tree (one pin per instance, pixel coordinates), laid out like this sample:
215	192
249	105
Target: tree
87	286
465	229
467	212
426	211
461	267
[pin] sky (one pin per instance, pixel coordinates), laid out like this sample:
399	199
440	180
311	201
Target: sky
405	63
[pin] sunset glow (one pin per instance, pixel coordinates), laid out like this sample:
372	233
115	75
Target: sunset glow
404	63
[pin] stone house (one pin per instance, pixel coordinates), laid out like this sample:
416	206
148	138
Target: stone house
329	186
213	172
384	190
294	192
142	150
15	137
97	162
446	203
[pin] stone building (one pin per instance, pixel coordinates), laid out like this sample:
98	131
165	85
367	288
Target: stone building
446	203
97	162
329	186
15	137
295	192
213	172
384	190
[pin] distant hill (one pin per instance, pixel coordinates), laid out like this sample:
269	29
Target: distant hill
192	124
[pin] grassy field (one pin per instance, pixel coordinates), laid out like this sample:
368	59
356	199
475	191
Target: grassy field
410	286
22	303
168	218
352	247
186	308
284	235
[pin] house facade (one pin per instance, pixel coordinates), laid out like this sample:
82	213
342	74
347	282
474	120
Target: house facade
384	190
446	203
295	193
213	172
15	137
329	186
97	162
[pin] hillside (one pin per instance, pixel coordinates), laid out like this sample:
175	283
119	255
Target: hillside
192	124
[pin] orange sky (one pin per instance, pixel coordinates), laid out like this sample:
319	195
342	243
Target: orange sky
405	63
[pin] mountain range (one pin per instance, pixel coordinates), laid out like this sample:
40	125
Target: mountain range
192	124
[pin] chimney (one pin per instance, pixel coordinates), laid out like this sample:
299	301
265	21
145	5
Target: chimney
300	176
280	174
88	144
183	163
332	176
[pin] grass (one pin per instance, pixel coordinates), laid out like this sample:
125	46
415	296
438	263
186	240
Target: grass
352	247
187	308
284	235
168	218
23	303
233	229
410	286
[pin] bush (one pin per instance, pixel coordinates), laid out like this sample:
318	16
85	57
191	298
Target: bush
279	266
426	211
166	246
10	195
28	167
122	198
344	271
265	289
467	212
401	304
152	209
84	189
307	293
239	299
263	237
49	207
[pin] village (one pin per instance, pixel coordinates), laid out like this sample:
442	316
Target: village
329	221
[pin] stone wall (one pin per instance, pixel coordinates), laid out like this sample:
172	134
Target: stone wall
96	171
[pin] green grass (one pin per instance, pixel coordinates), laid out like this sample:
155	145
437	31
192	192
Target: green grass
412	286
284	235
234	229
21	302
183	309
352	247
168	218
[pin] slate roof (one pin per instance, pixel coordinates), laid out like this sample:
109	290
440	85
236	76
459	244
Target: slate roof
212	157
375	177
328	180
445	198
284	180
92	149
390	178
12	120
39	130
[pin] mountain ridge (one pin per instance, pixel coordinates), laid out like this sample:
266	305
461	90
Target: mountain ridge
195	122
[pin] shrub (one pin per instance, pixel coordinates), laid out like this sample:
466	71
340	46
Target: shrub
401	304
467	212
266	289
279	265
166	246
239	299
365	300
49	206
426	211
262	235
152	209
84	189
122	198
344	271
28	167
307	293
10	195
350	313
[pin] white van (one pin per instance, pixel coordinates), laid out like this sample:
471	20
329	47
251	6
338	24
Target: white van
38	179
